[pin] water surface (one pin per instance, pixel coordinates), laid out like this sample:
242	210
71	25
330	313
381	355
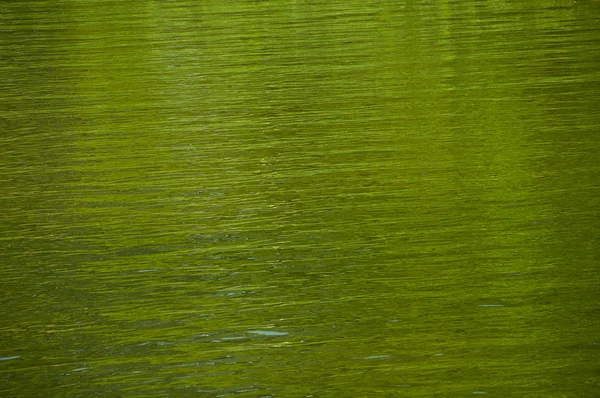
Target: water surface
292	199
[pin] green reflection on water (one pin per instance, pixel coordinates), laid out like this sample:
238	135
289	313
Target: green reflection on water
272	199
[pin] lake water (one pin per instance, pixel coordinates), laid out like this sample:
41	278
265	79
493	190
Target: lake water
299	199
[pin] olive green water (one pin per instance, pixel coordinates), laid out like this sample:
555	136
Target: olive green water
299	199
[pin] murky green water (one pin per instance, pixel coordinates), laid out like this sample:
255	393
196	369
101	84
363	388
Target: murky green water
299	199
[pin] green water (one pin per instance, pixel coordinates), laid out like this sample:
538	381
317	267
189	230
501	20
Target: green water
299	199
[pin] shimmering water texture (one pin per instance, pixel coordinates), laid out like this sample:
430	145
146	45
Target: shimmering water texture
299	198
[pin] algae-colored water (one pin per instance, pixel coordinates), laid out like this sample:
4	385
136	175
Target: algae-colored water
299	199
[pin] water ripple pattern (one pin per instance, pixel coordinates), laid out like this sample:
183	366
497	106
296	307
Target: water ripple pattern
299	199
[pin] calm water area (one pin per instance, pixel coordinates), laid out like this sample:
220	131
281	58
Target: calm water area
300	198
